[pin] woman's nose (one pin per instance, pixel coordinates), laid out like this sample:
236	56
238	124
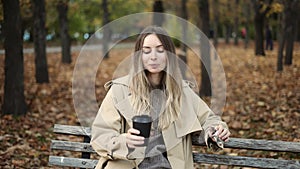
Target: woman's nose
153	56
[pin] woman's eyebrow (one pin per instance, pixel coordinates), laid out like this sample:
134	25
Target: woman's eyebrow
155	46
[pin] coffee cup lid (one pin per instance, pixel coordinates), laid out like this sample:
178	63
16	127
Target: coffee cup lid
142	119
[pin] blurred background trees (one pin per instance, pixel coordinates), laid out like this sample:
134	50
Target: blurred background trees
228	18
72	22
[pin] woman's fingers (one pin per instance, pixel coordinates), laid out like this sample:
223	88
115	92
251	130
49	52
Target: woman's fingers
132	139
226	139
133	131
223	133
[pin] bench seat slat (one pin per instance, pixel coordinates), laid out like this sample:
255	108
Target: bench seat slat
72	162
198	158
71	146
245	161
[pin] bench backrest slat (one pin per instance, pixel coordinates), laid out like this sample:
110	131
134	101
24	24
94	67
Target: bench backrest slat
253	144
72	130
236	143
245	161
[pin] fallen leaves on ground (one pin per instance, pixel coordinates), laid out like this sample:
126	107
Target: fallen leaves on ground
261	103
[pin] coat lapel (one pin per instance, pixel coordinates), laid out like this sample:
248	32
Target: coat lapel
126	110
188	121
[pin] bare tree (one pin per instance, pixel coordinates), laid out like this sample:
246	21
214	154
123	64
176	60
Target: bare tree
246	12
158	8
280	50
41	68
291	12
259	20
287	33
236	23
228	25
216	21
205	89
183	48
14	99
62	8
106	29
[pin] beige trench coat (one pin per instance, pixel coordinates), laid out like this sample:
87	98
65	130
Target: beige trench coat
114	119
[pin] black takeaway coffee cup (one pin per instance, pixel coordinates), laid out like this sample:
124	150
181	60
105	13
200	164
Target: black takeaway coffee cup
143	124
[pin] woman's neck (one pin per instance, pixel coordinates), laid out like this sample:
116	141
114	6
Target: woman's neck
155	79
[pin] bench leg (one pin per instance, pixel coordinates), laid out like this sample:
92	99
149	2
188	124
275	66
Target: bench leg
86	155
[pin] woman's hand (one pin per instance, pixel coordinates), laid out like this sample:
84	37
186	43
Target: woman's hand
132	139
221	132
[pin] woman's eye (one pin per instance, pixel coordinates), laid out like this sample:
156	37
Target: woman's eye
160	49
146	50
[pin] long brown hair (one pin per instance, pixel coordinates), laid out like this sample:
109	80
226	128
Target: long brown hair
171	80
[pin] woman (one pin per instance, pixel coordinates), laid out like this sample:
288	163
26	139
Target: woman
155	87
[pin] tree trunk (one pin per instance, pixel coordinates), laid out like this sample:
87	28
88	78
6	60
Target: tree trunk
281	39
158	8
62	8
14	99
246	13
216	21
236	23
106	29
259	36
289	46
205	89
296	28
183	48
227	33
259	20
41	68
280	49
290	12
227	24
1	31
278	27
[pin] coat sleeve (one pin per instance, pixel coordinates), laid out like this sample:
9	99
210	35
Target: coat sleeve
107	139
207	118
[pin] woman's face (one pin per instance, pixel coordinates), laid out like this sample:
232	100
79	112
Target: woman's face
154	56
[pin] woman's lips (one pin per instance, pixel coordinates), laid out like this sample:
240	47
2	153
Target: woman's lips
154	65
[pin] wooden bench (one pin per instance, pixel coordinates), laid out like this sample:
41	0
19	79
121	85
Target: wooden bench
235	143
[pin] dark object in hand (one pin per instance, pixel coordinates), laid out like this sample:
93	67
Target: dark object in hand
214	142
143	124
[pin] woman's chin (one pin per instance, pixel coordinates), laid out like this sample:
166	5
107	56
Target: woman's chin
154	71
